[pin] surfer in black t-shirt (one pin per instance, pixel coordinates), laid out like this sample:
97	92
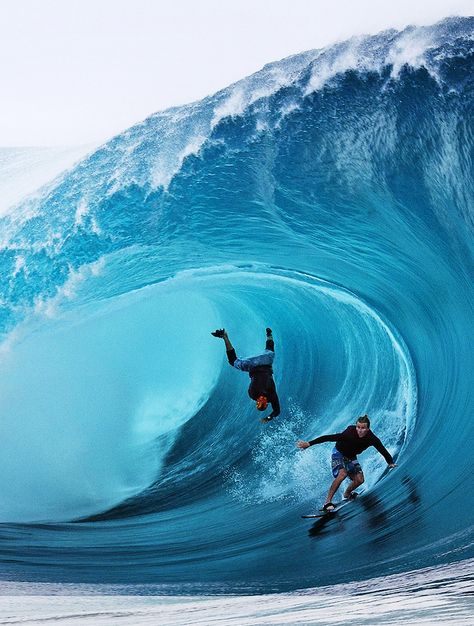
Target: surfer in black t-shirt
349	443
262	386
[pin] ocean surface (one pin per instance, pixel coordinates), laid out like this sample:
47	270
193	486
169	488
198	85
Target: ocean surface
329	196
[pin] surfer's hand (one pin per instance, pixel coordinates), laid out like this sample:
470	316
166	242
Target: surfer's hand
302	444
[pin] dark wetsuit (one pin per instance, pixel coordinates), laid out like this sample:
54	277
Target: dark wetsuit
261	375
350	444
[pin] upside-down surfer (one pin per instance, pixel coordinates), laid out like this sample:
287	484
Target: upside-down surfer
351	442
262	386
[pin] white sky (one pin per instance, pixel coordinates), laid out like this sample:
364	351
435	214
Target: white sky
74	72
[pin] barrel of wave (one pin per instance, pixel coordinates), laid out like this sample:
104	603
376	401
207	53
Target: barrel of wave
93	399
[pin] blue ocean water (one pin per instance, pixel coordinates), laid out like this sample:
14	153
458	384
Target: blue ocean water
328	196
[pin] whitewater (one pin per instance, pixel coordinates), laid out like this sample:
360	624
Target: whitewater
328	196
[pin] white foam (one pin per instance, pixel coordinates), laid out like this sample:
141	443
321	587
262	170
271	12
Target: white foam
410	49
330	65
23	171
81	211
233	105
432	596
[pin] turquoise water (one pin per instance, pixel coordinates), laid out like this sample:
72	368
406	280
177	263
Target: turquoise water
328	196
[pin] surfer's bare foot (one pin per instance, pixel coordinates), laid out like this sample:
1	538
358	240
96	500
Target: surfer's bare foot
351	496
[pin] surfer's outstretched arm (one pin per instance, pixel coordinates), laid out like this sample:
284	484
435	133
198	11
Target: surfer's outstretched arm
384	452
302	444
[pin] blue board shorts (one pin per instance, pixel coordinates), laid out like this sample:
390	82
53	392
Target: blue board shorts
339	461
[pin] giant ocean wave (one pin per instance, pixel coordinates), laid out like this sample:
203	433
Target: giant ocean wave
328	196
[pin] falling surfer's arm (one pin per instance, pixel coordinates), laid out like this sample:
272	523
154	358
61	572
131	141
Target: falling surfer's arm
220	333
275	402
231	356
239	364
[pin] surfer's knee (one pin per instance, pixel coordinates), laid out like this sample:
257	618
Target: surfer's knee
359	478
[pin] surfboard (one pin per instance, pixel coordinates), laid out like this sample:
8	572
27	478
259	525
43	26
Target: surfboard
324	513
